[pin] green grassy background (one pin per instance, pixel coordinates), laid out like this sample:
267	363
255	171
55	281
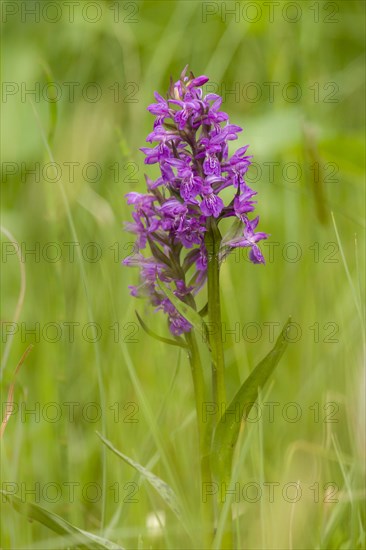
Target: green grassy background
134	49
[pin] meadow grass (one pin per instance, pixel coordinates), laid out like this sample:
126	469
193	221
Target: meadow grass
143	387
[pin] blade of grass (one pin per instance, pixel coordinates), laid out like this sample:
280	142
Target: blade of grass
348	484
20	300
89	310
52	104
154	429
10	398
237	463
164	490
77	536
348	275
227	430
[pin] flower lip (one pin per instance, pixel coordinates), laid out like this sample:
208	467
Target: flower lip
212	205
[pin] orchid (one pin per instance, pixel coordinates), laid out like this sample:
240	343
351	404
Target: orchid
179	219
184	204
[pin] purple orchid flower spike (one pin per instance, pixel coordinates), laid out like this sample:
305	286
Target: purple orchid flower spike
191	134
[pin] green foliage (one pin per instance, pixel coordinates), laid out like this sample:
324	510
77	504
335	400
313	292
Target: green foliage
166	492
71	535
319	279
227	430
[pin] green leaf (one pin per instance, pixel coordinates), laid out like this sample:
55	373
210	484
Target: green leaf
204	311
234	231
227	430
75	536
166	492
186	311
157	252
177	342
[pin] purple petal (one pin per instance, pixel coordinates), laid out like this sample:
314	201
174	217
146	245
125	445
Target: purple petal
256	256
212	205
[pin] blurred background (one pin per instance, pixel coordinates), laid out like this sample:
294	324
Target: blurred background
77	78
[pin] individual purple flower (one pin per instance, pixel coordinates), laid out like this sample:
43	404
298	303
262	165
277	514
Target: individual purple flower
161	109
213	115
237	166
243	203
190	232
189	184
211	164
177	323
188	108
172	209
191	136
250	239
212	204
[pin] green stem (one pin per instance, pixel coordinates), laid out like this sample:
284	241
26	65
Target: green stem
204	439
213	242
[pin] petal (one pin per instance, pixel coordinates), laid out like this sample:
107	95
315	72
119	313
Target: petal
212	206
256	255
199	81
